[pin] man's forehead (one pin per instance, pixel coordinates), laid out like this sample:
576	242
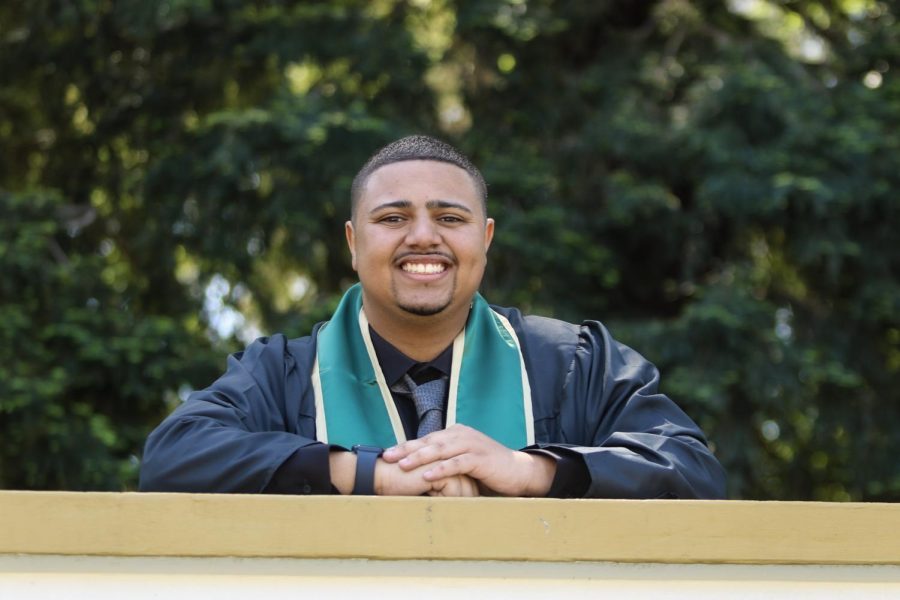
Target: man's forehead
420	177
412	168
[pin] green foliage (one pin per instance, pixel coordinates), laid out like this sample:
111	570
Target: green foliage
82	373
717	181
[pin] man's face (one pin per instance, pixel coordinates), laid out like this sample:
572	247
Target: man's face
419	239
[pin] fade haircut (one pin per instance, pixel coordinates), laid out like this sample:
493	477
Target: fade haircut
416	147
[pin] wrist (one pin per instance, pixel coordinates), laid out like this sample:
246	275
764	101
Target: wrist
366	461
381	473
542	470
342	466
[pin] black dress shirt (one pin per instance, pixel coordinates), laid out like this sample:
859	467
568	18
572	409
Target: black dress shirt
394	364
307	470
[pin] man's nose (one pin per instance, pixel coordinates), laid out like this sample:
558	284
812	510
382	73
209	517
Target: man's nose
423	232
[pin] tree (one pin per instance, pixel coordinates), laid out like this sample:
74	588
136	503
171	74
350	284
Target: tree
715	181
728	204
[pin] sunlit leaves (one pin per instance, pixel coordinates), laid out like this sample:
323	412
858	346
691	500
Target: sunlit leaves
717	181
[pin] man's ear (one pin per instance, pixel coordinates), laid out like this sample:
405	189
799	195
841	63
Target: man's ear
488	234
351	242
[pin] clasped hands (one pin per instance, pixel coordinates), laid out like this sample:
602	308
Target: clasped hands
461	461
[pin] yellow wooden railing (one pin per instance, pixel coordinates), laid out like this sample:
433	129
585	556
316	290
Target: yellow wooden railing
656	531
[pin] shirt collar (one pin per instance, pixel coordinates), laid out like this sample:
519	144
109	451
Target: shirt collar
394	364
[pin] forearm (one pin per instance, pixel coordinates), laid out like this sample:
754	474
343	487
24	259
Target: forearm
643	465
198	454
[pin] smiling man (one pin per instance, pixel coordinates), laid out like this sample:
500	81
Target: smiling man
416	385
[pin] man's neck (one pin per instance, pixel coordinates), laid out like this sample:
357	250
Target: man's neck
420	338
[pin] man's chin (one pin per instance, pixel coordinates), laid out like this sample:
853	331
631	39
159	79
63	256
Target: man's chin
424	310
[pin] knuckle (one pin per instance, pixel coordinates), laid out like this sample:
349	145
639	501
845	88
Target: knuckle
457	463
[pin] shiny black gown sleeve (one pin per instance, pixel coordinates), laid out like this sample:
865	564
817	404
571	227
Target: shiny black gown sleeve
236	435
599	400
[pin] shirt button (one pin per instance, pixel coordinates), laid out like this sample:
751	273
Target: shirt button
306	489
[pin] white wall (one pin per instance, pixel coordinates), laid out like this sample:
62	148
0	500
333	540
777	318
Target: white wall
98	578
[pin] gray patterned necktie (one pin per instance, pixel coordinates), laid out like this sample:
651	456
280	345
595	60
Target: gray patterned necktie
429	401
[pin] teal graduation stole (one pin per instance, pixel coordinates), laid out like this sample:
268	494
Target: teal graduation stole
488	388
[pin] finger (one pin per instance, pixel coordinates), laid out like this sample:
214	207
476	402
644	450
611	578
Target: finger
440	445
469	487
456	486
436	448
391	480
400	451
463	464
444	487
403	451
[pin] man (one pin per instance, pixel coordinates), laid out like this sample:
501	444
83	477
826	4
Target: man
417	386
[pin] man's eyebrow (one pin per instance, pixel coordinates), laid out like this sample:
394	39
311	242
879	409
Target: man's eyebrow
392	204
431	204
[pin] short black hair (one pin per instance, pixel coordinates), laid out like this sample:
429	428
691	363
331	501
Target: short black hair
416	147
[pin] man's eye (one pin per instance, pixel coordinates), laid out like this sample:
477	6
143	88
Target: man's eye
451	219
390	219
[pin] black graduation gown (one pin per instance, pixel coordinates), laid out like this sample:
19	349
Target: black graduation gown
592	397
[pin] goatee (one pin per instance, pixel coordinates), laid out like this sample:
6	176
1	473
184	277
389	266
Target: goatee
424	311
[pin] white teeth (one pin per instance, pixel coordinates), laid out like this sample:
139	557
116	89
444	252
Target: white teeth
426	268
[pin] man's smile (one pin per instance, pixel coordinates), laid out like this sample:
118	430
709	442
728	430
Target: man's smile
423	268
431	264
